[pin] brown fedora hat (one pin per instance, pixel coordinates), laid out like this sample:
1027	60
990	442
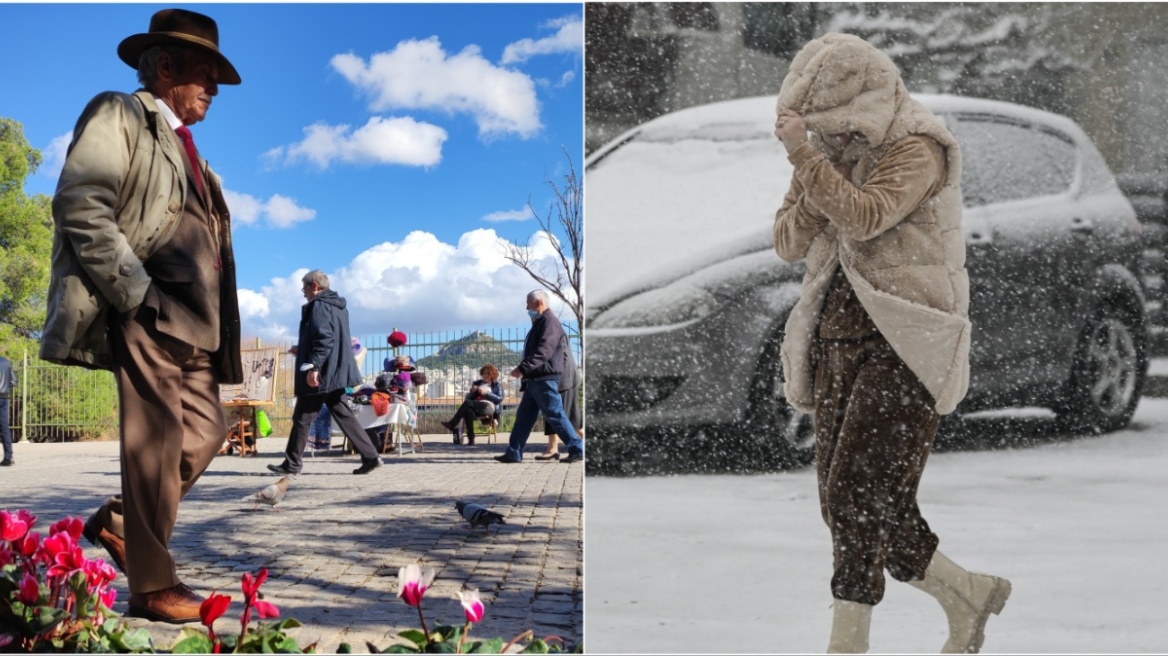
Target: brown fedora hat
183	27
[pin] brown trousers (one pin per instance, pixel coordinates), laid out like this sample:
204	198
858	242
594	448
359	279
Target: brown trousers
171	429
874	427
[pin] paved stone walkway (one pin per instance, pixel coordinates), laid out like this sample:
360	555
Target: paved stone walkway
334	550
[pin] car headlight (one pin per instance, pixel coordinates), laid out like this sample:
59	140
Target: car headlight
667	306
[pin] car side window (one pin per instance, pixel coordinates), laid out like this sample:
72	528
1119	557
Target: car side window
1005	160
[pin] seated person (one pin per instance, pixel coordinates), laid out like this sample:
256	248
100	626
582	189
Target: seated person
483	400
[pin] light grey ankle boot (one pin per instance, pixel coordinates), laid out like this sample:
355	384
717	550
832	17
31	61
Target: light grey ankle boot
849	627
968	599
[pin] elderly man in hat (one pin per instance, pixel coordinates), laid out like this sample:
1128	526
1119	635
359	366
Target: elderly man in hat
143	284
325	366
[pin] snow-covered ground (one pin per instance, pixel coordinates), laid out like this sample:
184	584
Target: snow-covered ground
741	564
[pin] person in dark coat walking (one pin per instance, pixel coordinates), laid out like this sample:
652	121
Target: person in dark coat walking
542	365
569	384
7	384
324	368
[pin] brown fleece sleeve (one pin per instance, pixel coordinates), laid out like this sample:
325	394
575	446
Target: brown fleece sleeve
911	172
795	225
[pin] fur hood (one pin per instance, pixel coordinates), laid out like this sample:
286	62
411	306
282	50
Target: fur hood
840	83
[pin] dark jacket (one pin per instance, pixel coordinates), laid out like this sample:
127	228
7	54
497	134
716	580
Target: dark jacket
324	342
496	395
570	377
543	350
7	378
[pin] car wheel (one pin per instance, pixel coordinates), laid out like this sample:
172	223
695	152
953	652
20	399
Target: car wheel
1107	376
780	435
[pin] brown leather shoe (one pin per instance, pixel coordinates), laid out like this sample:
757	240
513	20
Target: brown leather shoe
100	536
174	605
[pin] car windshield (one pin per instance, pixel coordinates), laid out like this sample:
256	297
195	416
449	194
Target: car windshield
675	196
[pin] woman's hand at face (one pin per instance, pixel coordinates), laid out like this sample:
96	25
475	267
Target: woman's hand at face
790	129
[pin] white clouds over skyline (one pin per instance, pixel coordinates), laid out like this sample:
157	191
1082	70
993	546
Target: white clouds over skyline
279	211
419	74
569	38
510	215
381	140
417	285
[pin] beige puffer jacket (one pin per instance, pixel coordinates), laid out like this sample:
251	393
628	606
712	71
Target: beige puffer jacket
904	257
119	199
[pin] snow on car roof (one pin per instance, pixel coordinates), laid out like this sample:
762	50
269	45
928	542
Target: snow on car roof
702	184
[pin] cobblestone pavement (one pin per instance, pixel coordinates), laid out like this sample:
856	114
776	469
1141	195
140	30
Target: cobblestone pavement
334	550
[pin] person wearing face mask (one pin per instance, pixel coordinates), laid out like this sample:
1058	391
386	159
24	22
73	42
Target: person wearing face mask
877	347
541	367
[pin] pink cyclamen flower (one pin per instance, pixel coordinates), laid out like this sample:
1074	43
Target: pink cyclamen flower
98	573
30	590
70	525
66	555
266	609
472	605
108	597
213	608
251	585
412	583
28	545
13	526
26	517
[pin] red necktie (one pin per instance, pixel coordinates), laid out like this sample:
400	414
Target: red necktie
188	142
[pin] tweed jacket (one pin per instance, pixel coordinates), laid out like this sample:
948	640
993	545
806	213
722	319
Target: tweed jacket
119	199
903	254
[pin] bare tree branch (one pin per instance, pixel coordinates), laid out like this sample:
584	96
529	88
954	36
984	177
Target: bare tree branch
564	278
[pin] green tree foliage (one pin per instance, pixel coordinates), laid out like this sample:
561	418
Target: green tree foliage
26	239
63	402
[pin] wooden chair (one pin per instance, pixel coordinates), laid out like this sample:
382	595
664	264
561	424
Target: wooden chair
491	424
241	434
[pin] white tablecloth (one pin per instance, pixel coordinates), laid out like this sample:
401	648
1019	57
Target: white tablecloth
398	413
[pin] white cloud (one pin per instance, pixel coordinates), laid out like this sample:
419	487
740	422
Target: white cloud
510	215
419	74
380	141
569	38
419	284
280	211
54	155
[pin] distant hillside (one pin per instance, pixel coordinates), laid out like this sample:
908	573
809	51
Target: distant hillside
474	350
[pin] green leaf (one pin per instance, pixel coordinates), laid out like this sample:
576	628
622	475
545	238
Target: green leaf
492	646
399	648
47	619
415	636
345	648
537	646
192	644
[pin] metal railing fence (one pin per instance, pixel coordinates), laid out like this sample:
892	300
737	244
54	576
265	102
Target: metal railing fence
55	403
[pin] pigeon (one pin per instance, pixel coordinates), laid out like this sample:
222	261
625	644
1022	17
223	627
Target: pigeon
271	495
478	515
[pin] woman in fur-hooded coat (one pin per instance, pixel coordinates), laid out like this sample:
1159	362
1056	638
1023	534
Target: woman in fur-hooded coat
908	268
878	344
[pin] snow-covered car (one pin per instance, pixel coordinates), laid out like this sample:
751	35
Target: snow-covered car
686	299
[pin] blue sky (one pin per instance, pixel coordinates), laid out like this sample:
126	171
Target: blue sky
390	145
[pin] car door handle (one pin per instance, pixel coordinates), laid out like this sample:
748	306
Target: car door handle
980	238
1082	226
